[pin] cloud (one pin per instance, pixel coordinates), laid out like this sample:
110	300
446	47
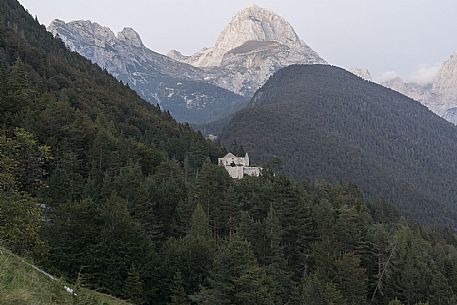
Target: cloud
389	75
425	74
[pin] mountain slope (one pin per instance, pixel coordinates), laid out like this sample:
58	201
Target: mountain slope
66	86
325	123
177	87
23	283
256	43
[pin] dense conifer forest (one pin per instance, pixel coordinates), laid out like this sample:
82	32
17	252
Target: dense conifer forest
323	122
105	190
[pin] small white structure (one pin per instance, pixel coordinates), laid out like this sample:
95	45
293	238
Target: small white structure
238	167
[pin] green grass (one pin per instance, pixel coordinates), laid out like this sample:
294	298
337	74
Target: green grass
22	284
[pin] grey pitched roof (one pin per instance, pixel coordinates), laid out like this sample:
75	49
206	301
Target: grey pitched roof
229	155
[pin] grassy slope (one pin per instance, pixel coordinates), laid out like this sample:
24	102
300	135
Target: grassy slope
21	284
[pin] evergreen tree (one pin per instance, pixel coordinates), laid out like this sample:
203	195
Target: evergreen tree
133	287
212	183
276	264
313	291
122	243
351	279
236	278
193	255
178	295
440	292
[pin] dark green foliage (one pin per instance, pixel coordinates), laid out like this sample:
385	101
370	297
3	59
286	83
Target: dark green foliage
22	173
313	291
275	259
236	279
326	123
133	288
212	183
350	279
193	255
178	295
20	224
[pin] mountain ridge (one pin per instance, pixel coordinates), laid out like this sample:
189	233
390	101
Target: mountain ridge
202	87
177	87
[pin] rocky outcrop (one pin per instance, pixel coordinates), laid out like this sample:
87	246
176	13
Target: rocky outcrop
362	73
121	54
418	92
255	44
445	87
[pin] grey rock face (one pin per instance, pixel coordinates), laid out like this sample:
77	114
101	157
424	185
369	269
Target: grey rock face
421	93
176	86
255	44
445	87
440	96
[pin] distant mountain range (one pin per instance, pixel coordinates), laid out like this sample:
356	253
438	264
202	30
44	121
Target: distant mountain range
205	86
326	123
440	96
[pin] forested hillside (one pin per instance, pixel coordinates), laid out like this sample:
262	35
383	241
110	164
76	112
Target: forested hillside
325	123
106	191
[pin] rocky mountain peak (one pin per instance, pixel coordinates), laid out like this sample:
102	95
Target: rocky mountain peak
251	24
445	83
57	23
253	46
85	29
176	55
257	24
130	37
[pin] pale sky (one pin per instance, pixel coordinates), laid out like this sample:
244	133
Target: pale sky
407	37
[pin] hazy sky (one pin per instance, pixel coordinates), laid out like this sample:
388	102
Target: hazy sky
409	37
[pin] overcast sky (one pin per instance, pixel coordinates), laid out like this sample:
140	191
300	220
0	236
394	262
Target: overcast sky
408	37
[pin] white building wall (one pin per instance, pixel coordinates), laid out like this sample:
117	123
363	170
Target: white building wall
252	171
235	172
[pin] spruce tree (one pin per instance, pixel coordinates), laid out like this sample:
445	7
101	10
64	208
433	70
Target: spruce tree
133	287
236	278
315	291
351	279
192	255
178	294
212	183
276	262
